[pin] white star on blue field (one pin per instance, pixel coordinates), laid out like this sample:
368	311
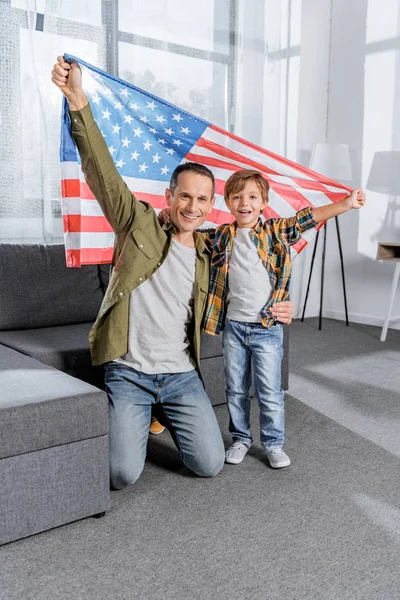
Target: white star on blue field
146	137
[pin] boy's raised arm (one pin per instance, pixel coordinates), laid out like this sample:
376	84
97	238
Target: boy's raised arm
356	200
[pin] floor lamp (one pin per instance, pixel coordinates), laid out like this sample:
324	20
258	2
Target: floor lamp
333	161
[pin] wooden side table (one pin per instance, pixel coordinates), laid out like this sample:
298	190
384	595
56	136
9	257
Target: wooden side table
390	251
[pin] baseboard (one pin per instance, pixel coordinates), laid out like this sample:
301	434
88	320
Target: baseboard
363	319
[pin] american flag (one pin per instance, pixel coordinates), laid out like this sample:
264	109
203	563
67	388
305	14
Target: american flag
147	138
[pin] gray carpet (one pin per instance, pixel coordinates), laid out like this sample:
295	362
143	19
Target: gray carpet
326	528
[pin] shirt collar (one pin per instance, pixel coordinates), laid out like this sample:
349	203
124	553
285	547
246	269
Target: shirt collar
257	229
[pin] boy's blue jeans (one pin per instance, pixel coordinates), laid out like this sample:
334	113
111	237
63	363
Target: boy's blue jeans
187	408
247	346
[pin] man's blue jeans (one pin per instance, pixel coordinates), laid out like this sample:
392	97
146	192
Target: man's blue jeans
247	346
187	408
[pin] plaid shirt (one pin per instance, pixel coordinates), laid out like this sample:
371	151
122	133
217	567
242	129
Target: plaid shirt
272	239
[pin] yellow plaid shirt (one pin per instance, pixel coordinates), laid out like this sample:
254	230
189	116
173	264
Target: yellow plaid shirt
272	239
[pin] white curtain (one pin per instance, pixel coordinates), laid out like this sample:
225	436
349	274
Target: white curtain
232	62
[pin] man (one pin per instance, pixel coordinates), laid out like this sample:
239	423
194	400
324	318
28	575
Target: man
149	325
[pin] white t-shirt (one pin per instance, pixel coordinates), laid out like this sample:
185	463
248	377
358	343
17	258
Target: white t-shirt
249	284
159	312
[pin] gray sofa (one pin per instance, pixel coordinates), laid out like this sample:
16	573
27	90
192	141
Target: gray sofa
53	411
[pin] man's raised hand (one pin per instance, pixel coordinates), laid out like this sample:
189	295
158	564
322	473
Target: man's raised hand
68	77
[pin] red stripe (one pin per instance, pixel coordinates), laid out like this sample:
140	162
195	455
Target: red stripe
222	151
269	213
84	224
88	256
212	162
281	159
70	188
290	195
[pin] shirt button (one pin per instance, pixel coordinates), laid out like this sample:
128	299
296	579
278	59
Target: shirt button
121	293
140	245
140	279
104	310
75	120
158	264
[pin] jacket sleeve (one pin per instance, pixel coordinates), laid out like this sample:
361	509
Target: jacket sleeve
116	200
290	229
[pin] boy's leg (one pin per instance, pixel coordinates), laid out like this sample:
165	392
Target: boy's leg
130	400
192	422
237	362
267	351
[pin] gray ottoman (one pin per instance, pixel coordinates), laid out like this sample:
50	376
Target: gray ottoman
54	460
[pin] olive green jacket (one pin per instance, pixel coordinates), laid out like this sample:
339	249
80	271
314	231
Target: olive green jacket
141	246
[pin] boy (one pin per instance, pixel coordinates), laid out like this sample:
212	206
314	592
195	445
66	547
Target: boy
250	271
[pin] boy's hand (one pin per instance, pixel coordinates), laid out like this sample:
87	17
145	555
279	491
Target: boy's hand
356	199
283	311
164	216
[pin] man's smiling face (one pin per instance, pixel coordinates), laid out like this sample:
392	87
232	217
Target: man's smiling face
191	201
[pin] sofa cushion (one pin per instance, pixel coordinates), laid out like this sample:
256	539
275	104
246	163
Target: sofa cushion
38	290
64	347
41	407
211	345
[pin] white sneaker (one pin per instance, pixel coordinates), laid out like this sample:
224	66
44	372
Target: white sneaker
236	453
277	458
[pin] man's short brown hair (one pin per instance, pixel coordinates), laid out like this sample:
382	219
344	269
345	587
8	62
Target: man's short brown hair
238	180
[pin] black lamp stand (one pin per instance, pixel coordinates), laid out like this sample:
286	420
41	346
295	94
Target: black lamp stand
323	273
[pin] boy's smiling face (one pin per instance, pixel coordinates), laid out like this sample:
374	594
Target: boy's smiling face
246	205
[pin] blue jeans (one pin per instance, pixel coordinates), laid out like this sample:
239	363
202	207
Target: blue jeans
187	408
247	346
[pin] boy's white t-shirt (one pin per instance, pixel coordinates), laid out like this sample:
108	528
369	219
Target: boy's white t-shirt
249	284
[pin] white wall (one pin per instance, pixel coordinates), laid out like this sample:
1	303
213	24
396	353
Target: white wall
350	93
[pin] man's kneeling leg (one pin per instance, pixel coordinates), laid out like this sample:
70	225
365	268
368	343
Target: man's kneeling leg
193	424
130	414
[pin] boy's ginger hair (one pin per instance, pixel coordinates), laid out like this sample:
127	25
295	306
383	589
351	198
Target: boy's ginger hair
237	181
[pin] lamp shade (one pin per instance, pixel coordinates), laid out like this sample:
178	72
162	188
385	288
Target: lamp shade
384	176
332	160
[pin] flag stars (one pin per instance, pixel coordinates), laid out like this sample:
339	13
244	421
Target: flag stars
120	163
106	114
116	129
146	145
177	118
156	158
125	142
151	105
152	130
170	151
177	143
96	99
163	142
185	130
138	132
108	91
112	150
164	170
128	119
118	105
134	105
144	119
124	92
134	155
142	168
169	131
161	119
